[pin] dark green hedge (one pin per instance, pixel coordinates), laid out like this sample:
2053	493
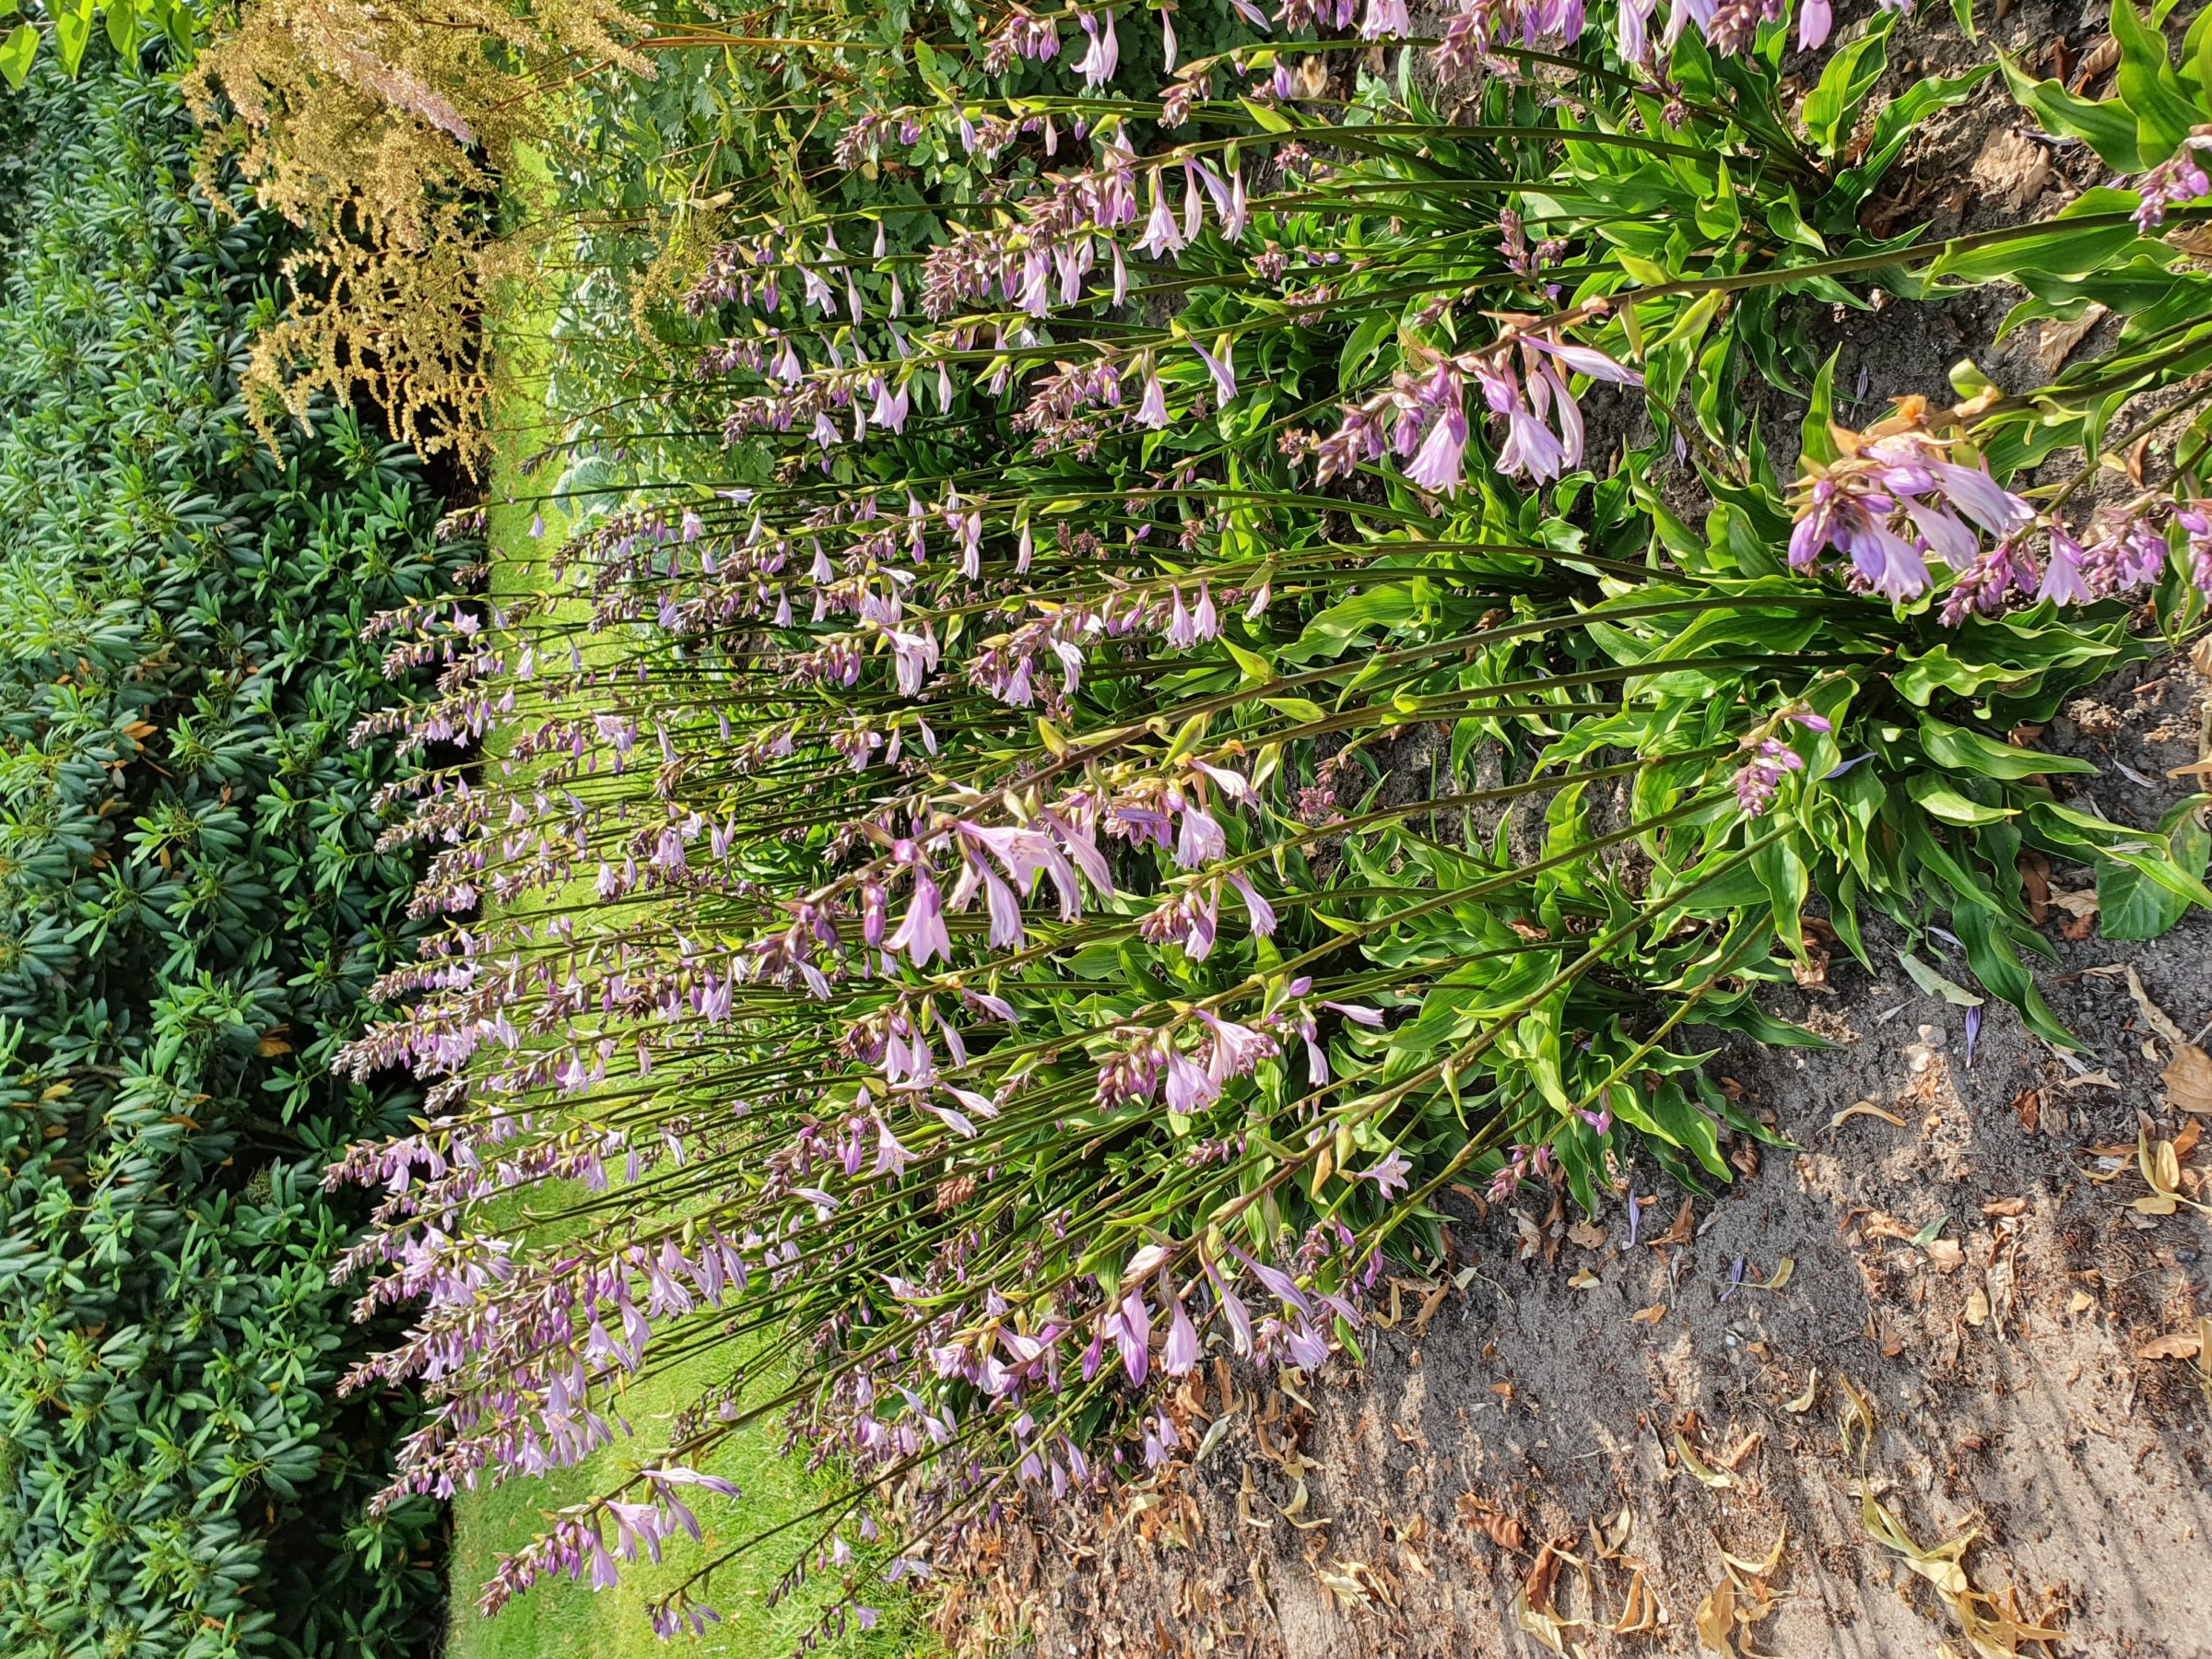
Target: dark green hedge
191	910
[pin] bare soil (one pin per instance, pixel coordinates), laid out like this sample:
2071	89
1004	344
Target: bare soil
1975	1334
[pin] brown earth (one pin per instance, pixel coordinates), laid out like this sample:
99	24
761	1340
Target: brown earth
1978	1333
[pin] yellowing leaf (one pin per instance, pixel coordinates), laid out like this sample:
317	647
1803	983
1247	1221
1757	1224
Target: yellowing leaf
1864	1109
1703	1471
1804	1401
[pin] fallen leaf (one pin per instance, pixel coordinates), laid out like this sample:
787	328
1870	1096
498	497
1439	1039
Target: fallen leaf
1977	1308
2081	1301
2189	1080
2005	1207
1854	1416
2157	1017
1681	1230
1651	1315
1716	1619
1760	1569
2060	337
1588	1234
1585	1280
2099	1079
2078	902
2176	1345
1804	1401
1640	1610
2035	878
1702	1471
1945	1255
1479	1512
1879	1226
1864	1109
1744	1448
1782	1269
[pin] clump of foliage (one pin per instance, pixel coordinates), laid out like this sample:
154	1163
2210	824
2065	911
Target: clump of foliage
1257	668
191	907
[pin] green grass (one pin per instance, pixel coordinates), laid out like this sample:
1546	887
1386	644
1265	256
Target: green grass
562	1621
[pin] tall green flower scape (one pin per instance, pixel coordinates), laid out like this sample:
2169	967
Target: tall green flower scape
1253	645
191	909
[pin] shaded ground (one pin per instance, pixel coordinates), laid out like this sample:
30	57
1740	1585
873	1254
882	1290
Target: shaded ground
1976	1271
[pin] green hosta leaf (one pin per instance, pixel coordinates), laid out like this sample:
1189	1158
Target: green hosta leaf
1960	750
2130	905
2056	252
2132	901
1831	109
2148	87
1818	442
2109	127
1940	801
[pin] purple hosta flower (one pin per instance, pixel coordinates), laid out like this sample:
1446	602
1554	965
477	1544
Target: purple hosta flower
1385	19
2195	520
1389	1175
2180	178
1180	1352
1891	498
1229	204
1190	1086
1222	367
1163	237
1237	1049
1531	394
922	934
1129	1327
914	657
2125	556
2063	581
1761	775
1152	406
1199	839
1436	465
1988	585
1103	55
1631	33
1257	910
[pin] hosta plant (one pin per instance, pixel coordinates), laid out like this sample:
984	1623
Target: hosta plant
1257	673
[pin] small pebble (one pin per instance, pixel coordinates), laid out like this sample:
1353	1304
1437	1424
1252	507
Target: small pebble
2184	1255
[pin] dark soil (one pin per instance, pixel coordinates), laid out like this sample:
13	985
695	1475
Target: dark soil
1976	1272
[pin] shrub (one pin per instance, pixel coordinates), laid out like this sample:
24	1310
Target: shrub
1257	673
194	906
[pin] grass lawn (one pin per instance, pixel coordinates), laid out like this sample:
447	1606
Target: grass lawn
570	1621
